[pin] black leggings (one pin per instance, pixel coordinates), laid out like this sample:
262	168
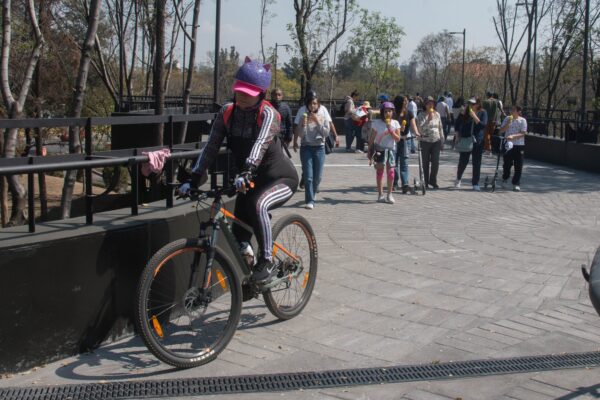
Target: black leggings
253	207
513	157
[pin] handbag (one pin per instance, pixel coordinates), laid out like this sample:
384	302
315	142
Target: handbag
329	144
464	144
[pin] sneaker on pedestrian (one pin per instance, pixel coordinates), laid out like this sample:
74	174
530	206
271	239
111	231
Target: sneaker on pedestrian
359	151
381	198
434	185
264	271
504	183
405	189
516	188
457	183
390	199
309	206
476	188
348	150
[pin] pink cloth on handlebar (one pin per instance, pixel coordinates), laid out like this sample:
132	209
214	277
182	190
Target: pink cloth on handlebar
156	161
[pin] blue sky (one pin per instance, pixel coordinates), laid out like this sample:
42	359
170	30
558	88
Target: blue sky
240	23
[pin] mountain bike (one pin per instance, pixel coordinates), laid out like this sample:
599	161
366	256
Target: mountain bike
189	297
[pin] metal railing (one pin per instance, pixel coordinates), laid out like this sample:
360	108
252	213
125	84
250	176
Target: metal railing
31	165
560	123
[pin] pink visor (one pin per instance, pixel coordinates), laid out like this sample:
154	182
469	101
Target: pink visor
246	88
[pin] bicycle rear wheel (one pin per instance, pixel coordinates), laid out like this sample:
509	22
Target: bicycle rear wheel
298	261
180	323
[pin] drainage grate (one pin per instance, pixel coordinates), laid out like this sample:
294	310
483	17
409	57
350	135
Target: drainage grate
302	380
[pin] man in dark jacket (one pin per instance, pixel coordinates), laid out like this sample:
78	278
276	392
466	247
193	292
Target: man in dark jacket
287	131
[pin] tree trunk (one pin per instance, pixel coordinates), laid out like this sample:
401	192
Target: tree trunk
3	190
14	106
159	69
190	72
77	104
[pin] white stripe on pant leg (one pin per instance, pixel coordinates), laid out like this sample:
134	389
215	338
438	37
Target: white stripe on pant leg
277	196
263	206
266	223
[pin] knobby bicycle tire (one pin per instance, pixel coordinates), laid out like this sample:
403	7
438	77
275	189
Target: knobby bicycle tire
151	328
307	278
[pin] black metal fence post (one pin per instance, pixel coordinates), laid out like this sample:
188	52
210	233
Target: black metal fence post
89	193
135	178
31	199
169	166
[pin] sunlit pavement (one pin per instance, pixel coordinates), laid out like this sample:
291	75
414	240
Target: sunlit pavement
452	275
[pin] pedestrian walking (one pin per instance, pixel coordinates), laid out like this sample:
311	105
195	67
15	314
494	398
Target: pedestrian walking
352	131
313	125
490	105
287	129
385	135
432	142
407	124
444	112
470	123
514	128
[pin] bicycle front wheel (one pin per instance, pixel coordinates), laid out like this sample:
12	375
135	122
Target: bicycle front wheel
295	252
182	323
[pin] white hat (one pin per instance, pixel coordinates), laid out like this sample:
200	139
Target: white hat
508	145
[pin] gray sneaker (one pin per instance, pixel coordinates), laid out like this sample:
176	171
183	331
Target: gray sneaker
381	198
516	188
264	271
476	188
390	199
504	183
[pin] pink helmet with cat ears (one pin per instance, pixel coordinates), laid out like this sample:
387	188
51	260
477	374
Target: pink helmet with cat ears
252	78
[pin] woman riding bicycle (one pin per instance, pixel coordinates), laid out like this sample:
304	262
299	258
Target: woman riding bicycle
251	125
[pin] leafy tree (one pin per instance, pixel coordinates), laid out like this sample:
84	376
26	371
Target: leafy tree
380	38
312	32
433	55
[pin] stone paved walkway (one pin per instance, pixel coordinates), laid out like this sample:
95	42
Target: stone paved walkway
453	275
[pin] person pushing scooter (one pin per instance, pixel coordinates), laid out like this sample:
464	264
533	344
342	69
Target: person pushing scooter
514	128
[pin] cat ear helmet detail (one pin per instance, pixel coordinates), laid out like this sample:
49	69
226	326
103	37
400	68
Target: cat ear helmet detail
252	78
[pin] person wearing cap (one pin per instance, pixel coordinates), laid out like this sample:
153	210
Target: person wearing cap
514	128
266	177
362	118
287	131
313	125
471	123
432	141
385	133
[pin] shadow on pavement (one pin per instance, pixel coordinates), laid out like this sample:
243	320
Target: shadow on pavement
593	391
131	356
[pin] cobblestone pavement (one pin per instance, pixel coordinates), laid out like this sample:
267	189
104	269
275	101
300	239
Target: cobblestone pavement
453	275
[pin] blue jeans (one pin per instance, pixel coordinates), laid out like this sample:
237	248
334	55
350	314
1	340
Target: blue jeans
401	163
313	159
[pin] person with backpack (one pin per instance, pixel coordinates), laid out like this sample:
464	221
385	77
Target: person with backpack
313	125
251	126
